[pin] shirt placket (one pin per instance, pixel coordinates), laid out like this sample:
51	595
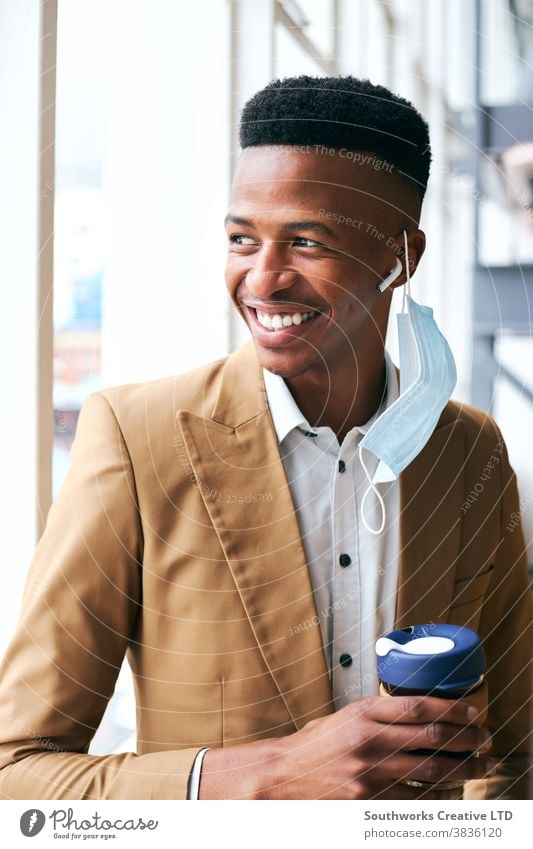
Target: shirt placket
371	557
319	460
346	671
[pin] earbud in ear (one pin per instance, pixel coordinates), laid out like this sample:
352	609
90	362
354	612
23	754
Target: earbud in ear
390	278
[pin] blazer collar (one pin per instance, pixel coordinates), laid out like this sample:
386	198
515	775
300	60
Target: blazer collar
235	451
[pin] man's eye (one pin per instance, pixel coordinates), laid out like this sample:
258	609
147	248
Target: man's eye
247	241
310	243
240	239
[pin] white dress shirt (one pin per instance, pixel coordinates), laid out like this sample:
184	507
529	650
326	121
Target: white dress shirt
355	602
353	572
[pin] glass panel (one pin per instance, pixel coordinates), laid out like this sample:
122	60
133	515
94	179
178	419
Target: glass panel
142	183
507	52
78	256
506	207
77	311
459	62
505	238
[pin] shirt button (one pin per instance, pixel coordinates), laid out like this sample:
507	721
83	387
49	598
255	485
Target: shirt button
345	559
345	660
342	466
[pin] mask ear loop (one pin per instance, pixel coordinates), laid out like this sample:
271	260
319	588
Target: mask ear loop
407	287
371	488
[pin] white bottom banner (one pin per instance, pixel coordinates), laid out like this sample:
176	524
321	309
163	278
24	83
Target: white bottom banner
274	825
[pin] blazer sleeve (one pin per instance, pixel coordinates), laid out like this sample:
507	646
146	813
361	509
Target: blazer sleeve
506	627
80	601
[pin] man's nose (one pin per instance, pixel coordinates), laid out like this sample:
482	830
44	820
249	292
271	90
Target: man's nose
268	270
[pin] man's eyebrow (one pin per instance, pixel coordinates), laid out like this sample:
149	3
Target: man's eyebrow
316	226
310	225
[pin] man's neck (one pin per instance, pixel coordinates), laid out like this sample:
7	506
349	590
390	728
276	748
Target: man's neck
338	399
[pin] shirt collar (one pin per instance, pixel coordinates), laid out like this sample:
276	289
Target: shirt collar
286	415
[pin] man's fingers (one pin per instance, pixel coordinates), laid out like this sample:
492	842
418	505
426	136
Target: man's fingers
440	735
417	710
436	769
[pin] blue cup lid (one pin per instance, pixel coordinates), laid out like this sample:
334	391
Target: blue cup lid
422	657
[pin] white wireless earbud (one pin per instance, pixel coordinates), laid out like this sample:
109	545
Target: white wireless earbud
391	277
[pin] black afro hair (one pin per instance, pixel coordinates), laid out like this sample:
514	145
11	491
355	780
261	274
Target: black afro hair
340	112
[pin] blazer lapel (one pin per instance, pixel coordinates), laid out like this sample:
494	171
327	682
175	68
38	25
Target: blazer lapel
431	494
234	453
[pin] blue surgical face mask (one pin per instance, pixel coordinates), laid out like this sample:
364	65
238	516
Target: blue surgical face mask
427	380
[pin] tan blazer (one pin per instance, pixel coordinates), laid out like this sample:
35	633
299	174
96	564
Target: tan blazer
174	540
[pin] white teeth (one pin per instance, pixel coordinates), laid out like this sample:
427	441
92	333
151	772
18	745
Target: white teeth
276	322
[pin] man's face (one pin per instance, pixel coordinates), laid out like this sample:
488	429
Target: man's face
311	232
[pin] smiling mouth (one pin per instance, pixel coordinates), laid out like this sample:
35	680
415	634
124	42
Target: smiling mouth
287	334
285	319
279	321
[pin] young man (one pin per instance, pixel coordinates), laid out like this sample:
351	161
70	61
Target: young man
212	525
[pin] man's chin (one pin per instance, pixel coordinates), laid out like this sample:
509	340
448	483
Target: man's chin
282	362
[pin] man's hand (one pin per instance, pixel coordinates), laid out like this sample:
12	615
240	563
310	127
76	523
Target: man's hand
362	751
